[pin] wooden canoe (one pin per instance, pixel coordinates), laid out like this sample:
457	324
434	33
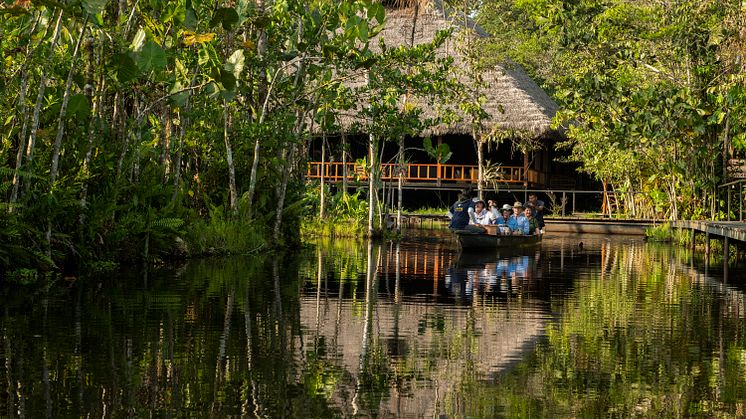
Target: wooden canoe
469	239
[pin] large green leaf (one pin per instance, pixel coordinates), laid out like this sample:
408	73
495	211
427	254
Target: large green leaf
225	16
126	68
152	57
94	7
190	16
78	107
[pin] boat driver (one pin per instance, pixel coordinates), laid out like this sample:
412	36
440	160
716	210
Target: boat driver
459	213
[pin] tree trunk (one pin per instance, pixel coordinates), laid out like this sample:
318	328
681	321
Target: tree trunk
21	140
177	159
96	109
344	164
229	160
322	200
372	188
63	108
60	132
40	99
726	145
480	167
400	185
263	91
24	113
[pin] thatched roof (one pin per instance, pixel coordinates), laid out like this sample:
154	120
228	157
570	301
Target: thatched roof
514	102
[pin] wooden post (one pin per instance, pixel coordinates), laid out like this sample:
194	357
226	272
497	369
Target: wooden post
573	203
694	239
564	199
726	257
525	169
439	169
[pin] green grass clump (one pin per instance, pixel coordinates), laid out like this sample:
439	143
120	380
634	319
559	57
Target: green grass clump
222	235
659	233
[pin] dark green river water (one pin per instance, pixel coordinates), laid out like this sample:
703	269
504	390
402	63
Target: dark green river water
616	327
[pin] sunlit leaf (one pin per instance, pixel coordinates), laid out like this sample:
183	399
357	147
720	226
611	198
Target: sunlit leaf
191	38
235	63
138	41
94	7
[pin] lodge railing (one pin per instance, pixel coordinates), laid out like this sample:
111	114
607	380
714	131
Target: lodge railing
413	172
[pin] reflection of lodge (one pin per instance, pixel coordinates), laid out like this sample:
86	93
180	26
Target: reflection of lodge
430	349
424	262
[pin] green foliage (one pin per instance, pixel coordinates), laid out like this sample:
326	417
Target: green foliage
221	235
441	154
168	104
659	233
23	276
649	91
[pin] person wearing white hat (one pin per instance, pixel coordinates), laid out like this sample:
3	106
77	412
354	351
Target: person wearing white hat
521	226
504	221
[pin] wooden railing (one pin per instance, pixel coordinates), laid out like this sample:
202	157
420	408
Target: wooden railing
414	172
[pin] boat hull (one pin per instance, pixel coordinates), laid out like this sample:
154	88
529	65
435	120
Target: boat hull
472	240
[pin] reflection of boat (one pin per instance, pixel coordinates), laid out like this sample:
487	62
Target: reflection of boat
470	239
475	257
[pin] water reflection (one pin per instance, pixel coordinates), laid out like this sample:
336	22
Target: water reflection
579	326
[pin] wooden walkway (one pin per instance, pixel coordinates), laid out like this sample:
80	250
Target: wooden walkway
734	230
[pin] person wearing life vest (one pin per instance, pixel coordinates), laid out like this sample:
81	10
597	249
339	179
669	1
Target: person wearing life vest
460	212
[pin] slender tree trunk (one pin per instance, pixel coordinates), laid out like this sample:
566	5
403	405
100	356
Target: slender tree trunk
96	110
63	108
372	183
726	145
400	184
480	167
229	160
60	132
24	116
344	164
179	154
40	99
322	200
263	91
21	140
166	145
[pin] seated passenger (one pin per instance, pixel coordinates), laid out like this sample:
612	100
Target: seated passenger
480	215
505	221
533	223
521	223
493	208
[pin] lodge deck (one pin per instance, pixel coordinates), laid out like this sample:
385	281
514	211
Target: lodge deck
417	175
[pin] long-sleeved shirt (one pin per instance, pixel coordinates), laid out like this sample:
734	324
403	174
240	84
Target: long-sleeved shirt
483	218
520	224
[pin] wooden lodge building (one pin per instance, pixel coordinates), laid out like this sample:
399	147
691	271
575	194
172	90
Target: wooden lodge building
517	107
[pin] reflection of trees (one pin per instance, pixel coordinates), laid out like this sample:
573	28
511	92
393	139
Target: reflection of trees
639	333
637	338
171	349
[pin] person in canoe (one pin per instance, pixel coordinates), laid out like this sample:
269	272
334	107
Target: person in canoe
520	226
459	213
504	221
533	223
480	215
